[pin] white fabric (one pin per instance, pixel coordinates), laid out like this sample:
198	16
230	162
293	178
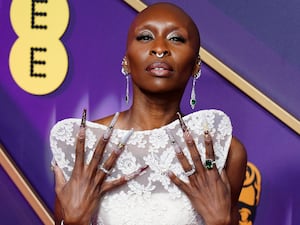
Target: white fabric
151	198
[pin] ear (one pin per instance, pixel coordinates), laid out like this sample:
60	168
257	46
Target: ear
125	65
197	66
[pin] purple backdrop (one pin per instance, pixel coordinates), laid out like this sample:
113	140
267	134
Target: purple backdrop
95	42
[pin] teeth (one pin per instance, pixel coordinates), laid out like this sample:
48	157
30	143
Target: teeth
158	68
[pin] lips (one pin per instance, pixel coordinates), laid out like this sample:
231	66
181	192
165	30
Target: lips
160	69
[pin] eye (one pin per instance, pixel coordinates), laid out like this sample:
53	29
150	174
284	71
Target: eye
177	39
145	36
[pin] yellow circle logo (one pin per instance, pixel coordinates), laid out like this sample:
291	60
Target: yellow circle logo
38	60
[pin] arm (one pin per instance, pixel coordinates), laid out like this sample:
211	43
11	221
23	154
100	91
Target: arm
58	217
235	169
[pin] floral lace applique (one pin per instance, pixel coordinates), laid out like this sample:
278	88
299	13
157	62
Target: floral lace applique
65	133
127	163
150	198
158	139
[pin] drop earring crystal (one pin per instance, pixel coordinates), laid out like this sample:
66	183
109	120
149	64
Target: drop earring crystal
127	90
193	100
125	72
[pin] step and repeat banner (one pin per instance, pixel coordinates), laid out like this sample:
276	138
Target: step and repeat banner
58	57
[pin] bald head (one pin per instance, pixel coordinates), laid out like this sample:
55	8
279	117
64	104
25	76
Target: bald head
166	13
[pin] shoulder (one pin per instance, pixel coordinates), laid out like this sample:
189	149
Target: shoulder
214	120
209	112
211	116
65	123
119	119
105	120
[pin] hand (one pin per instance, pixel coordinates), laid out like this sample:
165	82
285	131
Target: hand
79	198
208	191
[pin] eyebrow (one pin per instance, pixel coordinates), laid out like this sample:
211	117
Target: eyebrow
170	28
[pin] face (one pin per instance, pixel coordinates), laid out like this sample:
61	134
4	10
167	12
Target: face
162	29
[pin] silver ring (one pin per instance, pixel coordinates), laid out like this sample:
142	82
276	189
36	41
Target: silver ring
209	164
105	170
190	172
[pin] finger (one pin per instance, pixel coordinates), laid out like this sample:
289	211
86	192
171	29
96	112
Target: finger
191	144
209	152
80	143
136	173
187	167
109	163
208	146
179	183
107	186
225	179
98	153
79	151
193	151
59	179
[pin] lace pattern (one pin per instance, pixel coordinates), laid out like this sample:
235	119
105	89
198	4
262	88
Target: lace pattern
150	198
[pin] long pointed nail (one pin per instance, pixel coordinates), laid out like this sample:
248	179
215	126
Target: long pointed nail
83	118
186	133
170	173
182	124
81	134
136	173
114	120
53	165
110	127
126	137
207	136
173	141
123	142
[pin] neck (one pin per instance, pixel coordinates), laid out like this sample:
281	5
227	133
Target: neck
150	112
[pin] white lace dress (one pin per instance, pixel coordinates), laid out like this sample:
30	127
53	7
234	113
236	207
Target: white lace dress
150	198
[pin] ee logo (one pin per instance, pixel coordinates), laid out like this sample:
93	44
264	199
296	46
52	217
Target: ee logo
38	60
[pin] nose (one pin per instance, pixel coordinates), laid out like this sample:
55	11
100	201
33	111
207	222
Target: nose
161	54
159	49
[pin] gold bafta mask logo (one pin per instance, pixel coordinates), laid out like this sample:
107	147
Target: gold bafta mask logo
250	195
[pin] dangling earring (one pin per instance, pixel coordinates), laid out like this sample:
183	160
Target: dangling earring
125	72
193	100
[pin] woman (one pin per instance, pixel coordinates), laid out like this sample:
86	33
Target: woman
156	166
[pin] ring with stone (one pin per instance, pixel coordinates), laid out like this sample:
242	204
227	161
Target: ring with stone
104	170
209	164
190	172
